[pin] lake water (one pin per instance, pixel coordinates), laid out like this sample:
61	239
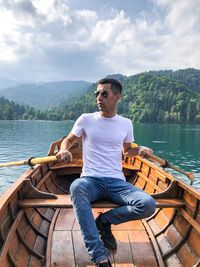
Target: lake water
19	140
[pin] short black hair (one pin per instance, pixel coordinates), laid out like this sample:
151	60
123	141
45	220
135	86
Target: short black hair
116	86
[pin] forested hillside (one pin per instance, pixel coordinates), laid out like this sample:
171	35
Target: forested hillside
155	96
12	111
45	95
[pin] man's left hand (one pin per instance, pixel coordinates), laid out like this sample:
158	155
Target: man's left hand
145	152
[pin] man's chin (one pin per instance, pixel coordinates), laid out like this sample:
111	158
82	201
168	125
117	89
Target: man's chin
101	108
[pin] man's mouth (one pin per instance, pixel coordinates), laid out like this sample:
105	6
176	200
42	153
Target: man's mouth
100	104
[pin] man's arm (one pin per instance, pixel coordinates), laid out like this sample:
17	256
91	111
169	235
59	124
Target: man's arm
67	143
142	151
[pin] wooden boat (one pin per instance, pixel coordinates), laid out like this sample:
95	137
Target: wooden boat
38	227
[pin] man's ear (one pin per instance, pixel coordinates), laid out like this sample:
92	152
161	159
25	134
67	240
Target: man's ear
119	97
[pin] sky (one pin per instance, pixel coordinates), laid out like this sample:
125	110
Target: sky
54	40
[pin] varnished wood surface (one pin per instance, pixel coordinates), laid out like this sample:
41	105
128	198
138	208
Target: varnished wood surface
68	248
38	233
64	201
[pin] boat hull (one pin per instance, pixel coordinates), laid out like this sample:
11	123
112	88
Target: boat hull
38	226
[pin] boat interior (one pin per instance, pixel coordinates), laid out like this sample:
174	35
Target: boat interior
38	226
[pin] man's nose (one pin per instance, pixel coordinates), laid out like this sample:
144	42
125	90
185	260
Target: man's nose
99	97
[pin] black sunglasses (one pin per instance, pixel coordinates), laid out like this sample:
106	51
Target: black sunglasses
102	93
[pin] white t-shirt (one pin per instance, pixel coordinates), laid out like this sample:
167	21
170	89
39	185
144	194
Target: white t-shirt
103	140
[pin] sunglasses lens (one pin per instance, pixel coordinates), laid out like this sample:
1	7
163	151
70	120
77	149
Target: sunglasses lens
96	94
102	93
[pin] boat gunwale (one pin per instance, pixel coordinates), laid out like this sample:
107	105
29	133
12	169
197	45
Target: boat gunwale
16	186
184	185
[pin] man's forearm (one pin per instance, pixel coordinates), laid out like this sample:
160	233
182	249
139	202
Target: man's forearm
66	144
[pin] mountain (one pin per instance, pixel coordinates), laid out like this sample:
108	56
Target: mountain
45	95
4	83
164	96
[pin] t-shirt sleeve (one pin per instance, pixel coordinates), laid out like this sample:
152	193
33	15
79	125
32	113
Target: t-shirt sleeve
130	136
78	128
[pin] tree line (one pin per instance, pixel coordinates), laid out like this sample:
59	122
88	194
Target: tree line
13	111
153	97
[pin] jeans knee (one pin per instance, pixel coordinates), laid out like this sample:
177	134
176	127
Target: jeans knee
149	206
77	187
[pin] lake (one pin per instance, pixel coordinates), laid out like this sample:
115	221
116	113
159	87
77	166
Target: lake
19	140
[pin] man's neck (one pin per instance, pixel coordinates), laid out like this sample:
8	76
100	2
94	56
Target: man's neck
108	115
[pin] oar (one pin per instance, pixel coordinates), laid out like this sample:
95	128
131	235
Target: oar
31	161
165	164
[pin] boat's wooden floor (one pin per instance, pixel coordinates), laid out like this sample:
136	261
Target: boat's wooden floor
68	249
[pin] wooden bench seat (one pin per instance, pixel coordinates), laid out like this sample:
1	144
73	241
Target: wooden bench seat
61	165
64	201
79	164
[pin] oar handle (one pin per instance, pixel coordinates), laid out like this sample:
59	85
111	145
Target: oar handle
31	161
41	160
161	161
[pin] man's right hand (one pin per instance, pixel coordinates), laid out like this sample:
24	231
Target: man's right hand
64	155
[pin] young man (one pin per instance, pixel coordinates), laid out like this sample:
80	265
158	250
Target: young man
105	136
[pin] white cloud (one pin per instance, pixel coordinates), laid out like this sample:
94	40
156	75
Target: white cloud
50	40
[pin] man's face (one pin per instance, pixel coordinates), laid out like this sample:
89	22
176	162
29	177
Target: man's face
106	99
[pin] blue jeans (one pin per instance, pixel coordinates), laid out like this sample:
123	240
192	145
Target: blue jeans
133	203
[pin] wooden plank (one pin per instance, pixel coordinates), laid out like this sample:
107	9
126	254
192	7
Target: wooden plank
140	183
189	189
142	251
186	257
62	253
64	201
50	236
65	220
154	242
162	219
61	165
191	220
173	236
150	189
131	225
181	224
123	256
6	247
141	175
169	203
76	226
82	258
190	200
163	243
145	169
13	188
194	242
154	226
174	261
130	167
34	262
158	175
